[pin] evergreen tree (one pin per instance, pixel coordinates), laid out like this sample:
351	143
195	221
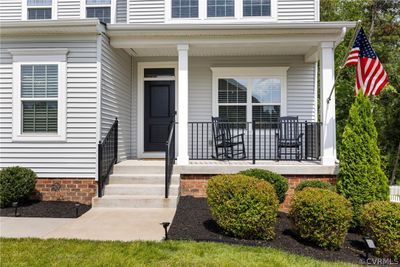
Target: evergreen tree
361	178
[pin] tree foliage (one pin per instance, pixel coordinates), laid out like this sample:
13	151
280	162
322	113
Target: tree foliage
381	21
361	178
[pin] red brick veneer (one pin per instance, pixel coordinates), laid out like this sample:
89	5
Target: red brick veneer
66	189
196	185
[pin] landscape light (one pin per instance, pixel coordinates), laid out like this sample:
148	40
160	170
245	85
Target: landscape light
15	206
370	245
165	225
77	205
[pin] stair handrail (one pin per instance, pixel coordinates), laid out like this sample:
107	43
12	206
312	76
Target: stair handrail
169	157
107	150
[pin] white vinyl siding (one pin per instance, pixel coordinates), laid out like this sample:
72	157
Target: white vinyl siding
116	94
298	10
145	11
76	156
69	9
10	10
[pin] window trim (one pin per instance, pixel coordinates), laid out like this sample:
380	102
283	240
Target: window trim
113	8
249	73
203	16
53	10
39	57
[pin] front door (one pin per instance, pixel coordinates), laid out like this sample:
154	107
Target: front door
159	111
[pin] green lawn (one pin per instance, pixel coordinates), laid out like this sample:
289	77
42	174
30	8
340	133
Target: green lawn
35	252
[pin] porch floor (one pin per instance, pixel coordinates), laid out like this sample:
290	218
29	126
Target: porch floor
234	166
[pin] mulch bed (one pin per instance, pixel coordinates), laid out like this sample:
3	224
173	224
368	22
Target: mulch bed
46	209
193	221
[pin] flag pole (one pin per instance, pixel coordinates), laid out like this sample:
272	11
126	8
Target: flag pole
358	27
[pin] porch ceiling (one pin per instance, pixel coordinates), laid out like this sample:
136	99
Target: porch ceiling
227	40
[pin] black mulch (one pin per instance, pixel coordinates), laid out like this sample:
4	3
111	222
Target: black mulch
193	221
46	209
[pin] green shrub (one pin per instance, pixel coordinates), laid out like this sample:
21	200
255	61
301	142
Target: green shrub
314	184
279	182
380	220
361	179
16	183
321	216
243	206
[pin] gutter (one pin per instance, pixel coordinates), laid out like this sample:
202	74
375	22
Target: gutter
50	27
233	26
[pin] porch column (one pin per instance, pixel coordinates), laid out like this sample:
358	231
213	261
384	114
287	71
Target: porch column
327	79
183	105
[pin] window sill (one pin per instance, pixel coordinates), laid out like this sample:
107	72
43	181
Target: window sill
43	138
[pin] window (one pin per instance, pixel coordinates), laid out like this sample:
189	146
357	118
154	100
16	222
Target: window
185	8
255	8
232	99
247	94
221	8
39	9
202	11
39	94
100	9
266	99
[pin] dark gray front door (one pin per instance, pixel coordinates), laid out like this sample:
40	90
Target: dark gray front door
159	110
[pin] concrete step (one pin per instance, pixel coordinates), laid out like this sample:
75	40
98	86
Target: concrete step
141	179
145	201
140	189
129	169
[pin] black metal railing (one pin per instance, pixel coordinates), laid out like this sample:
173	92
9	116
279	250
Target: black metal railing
107	156
262	141
169	157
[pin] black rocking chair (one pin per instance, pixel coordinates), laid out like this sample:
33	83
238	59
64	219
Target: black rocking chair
227	146
288	138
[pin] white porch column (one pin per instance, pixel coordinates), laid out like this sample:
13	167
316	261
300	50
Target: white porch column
328	118
183	104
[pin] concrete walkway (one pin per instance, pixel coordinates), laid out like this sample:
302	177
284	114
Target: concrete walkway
30	227
124	224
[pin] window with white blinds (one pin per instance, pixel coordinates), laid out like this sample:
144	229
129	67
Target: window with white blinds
248	99
39	98
39	9
232	99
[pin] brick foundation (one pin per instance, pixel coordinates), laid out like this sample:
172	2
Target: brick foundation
66	189
196	185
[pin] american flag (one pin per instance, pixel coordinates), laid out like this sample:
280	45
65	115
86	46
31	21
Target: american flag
370	75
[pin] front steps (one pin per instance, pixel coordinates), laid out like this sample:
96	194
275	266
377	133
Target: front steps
139	184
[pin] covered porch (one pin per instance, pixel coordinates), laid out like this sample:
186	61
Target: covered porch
222	71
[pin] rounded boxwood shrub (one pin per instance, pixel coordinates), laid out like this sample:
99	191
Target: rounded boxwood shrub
314	184
16	183
321	216
243	206
380	220
279	182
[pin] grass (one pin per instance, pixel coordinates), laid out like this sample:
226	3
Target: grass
53	252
